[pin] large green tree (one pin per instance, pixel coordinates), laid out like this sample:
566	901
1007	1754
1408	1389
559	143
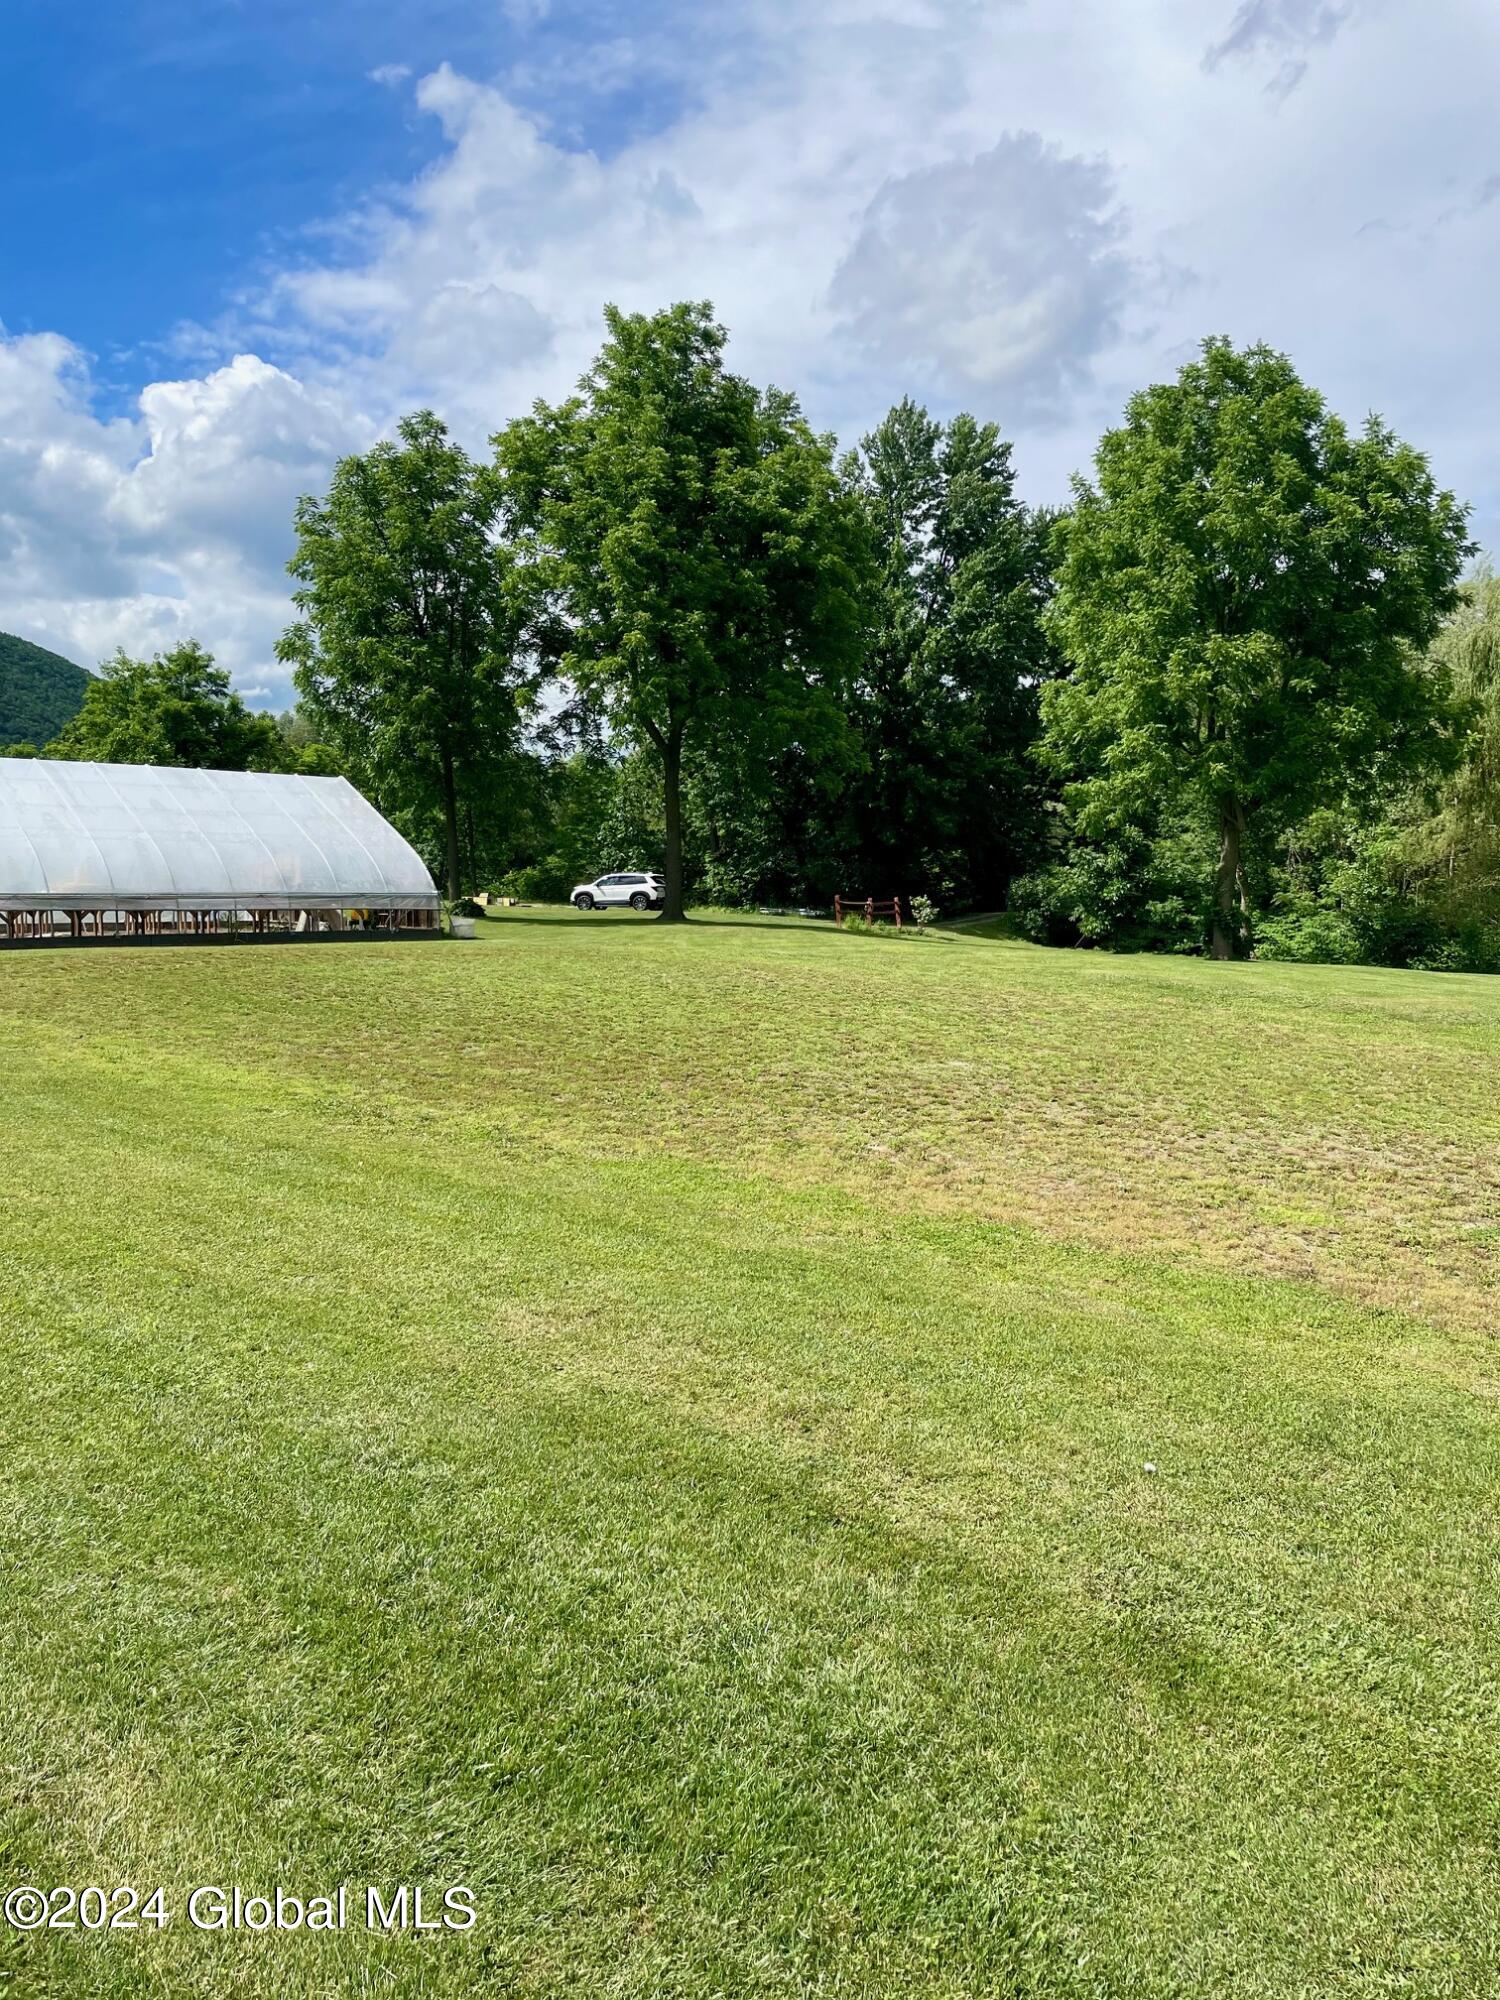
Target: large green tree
176	708
1419	884
1244	594
948	689
1464	838
406	651
708	567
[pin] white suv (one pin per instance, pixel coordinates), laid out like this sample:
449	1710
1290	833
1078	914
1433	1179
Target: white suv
641	890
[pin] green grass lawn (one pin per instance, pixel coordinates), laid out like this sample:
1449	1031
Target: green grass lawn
789	1463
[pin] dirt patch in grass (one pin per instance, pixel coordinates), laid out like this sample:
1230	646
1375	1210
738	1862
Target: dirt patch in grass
1331	1124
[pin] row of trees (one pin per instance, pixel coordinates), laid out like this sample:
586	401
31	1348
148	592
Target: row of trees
714	645
828	668
1232	698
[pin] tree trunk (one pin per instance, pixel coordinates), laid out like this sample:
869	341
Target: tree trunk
1231	929
672	911
450	824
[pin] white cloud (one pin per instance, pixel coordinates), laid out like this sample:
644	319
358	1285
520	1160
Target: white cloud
172	523
463	319
972	200
1001	275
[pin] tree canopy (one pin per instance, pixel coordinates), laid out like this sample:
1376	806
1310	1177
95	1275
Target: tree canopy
1234	697
706	566
948	686
1418	882
1243	595
175	708
406	649
1468	649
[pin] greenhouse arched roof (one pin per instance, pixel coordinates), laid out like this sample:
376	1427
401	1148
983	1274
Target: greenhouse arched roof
138	836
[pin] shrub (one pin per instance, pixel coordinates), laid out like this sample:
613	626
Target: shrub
1042	908
1301	931
880	928
1127	892
1469	947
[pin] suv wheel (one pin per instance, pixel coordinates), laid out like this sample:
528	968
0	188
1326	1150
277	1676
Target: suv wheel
640	900
583	902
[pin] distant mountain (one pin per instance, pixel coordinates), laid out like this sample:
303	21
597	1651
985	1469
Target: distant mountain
39	691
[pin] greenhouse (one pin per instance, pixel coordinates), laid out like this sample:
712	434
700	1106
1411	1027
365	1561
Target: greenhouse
100	851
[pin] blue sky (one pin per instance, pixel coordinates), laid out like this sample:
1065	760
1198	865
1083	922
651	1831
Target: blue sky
153	149
241	237
157	152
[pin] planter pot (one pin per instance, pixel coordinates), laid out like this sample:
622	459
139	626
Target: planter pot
462	927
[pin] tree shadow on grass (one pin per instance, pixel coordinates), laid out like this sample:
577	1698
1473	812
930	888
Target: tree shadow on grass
620	920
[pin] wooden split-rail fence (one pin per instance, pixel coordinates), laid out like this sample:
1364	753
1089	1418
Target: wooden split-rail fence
873	909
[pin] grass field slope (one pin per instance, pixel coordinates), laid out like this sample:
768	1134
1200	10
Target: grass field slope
39	691
787	1463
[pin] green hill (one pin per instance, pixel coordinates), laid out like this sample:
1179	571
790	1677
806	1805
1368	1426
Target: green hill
39	691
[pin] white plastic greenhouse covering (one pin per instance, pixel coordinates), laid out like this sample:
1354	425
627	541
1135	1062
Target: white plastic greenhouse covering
137	837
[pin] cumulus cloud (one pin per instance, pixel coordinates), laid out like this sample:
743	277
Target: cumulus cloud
226	455
806	192
462	320
169	523
961	198
58	472
1002	274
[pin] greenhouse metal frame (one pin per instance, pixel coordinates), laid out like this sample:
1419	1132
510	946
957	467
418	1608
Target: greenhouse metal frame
92	852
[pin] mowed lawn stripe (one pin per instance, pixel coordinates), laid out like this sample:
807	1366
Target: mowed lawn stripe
1330	1123
747	1587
